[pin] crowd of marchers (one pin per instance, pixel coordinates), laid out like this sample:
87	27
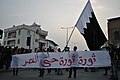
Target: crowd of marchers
6	55
7	52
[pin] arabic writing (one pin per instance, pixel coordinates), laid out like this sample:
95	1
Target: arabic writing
31	60
48	62
89	62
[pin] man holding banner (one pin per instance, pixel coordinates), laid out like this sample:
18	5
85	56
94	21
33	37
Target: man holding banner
74	57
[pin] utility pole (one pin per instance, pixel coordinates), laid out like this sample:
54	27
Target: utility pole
66	34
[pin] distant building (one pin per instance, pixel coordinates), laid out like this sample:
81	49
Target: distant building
52	44
26	36
114	31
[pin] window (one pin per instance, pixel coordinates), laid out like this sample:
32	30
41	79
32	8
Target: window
117	35
12	35
36	40
37	31
18	42
11	43
28	41
5	34
28	32
19	32
1	33
42	36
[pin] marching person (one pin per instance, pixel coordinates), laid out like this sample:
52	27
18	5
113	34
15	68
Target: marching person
59	70
106	68
15	70
86	68
41	69
74	57
50	50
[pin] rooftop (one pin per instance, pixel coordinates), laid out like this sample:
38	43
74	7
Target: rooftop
116	18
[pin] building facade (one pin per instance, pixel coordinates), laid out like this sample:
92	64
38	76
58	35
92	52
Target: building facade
114	31
52	44
26	36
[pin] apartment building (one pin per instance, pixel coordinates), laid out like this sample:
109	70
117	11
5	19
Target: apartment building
26	36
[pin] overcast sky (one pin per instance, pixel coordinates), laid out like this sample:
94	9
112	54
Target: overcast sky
53	14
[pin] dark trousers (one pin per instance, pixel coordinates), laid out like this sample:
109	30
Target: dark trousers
70	72
15	71
86	69
49	70
1	64
41	72
92	69
106	69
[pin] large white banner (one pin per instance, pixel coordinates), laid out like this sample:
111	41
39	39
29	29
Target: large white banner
62	59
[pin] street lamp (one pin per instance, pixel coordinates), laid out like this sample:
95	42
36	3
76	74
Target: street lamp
66	34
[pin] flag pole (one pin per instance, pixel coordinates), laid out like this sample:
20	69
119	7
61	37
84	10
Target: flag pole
73	29
70	36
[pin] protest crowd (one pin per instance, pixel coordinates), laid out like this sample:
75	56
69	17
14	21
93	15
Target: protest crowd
7	52
6	55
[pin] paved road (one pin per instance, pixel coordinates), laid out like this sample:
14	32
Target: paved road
31	74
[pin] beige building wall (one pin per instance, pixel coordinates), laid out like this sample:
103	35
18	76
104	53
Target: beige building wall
114	31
